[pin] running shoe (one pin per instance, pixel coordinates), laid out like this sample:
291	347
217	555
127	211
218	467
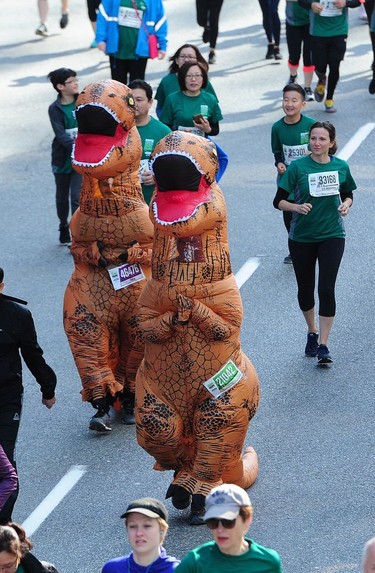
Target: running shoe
64	21
323	354
371	87
319	92
41	30
197	509
270	52
64	236
312	345
292	79
288	260
309	96
100	422
212	57
94	44
330	106
276	53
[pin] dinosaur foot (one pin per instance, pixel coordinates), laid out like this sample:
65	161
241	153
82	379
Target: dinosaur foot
181	498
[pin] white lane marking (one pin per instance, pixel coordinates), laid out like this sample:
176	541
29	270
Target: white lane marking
246	271
355	141
56	495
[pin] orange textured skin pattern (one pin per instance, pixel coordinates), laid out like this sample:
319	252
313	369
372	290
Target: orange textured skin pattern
113	218
190	313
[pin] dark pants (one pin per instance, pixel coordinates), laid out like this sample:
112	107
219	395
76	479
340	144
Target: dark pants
208	12
328	52
121	69
92	6
9	426
271	20
328	253
296	36
68	187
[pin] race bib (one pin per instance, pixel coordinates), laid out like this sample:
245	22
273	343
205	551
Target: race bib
125	275
144	165
194	130
329	9
292	152
324	184
226	378
148	146
128	17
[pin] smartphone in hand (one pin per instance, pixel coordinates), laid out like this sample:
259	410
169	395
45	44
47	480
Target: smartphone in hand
198	118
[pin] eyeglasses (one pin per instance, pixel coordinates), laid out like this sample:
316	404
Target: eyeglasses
11	567
75	81
193	58
193	76
226	523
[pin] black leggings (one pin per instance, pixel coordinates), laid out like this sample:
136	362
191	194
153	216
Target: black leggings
121	69
328	253
296	36
92	6
271	20
208	12
328	52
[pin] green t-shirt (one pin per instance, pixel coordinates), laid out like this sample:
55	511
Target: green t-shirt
70	126
179	110
319	184
295	14
331	21
291	139
150	134
208	558
169	84
129	24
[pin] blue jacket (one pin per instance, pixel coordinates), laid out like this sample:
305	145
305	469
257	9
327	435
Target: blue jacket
154	18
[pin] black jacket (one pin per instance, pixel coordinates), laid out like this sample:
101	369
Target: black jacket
17	333
62	143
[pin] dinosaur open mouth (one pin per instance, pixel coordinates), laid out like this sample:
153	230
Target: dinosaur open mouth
99	133
179	205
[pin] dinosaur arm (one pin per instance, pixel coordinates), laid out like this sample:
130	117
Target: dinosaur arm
214	326
158	328
86	253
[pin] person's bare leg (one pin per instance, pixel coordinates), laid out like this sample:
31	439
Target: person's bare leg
43	9
64	6
325	324
310	320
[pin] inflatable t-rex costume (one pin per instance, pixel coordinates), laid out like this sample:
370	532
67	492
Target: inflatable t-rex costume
110	232
196	391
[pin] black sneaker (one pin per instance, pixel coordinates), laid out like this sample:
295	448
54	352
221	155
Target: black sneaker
270	52
309	96
197	509
312	345
371	87
64	21
212	57
100	422
292	79
276	53
128	417
324	356
288	260
64	235
181	497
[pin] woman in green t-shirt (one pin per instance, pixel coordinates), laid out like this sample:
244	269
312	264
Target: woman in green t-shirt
169	83
191	108
323	193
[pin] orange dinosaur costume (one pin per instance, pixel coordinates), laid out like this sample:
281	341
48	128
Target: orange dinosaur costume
196	391
111	246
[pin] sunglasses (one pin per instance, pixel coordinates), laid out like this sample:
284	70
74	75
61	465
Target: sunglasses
226	523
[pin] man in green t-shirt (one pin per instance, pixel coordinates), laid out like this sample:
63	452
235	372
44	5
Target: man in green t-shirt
151	131
229	515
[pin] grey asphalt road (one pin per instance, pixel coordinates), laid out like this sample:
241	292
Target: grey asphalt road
314	430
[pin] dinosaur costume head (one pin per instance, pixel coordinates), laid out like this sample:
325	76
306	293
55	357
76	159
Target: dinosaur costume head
105	114
185	166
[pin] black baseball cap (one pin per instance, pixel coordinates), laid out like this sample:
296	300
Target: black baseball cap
147	506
